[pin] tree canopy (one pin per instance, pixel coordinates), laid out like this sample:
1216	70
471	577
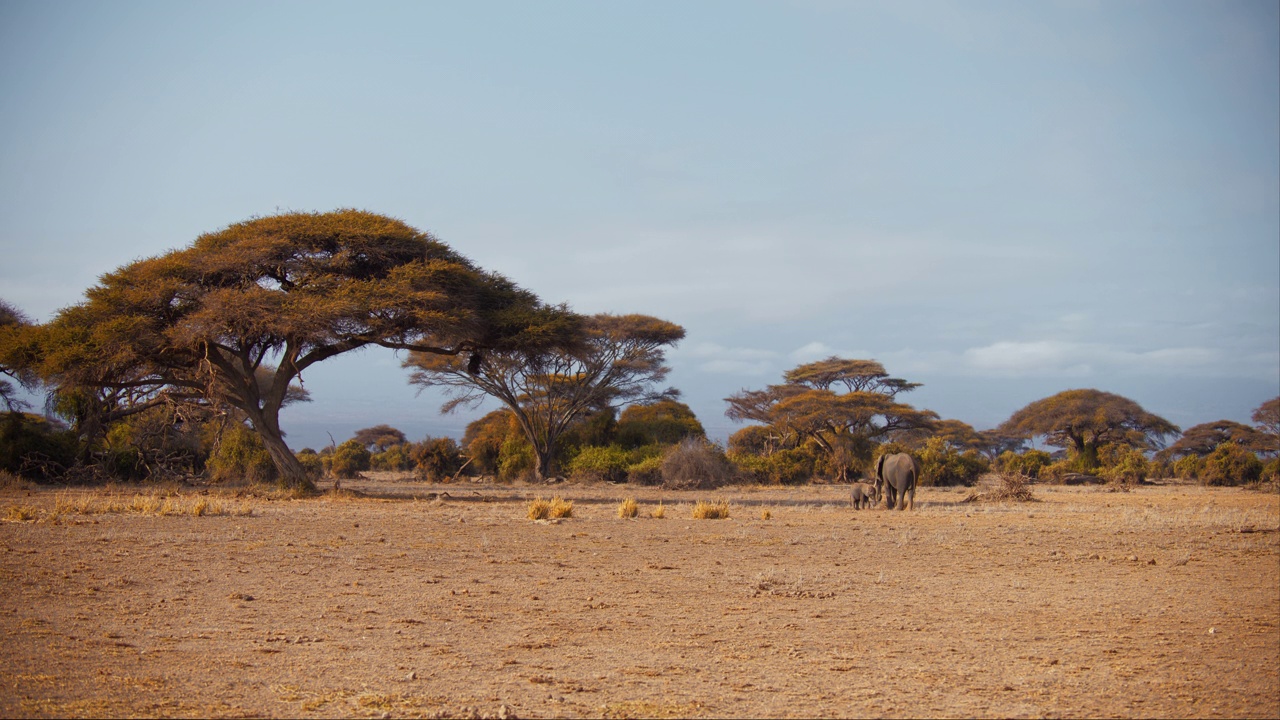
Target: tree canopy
13	324
1204	438
1267	418
379	437
609	361
1085	420
236	317
844	425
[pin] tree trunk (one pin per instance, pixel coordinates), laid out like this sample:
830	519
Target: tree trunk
292	474
542	463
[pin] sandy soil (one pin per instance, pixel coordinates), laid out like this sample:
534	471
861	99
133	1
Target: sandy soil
1162	602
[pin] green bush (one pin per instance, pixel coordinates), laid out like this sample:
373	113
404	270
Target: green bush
1123	464
397	457
25	437
239	455
608	463
942	465
1271	472
794	466
1188	467
515	458
437	459
311	462
1029	463
1231	464
348	460
646	472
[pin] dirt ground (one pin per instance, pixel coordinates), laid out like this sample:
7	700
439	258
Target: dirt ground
417	600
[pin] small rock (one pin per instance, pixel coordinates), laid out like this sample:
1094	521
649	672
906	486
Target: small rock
411	676
1133	558
1213	631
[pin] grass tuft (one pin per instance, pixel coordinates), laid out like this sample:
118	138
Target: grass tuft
659	512
19	513
628	508
711	511
539	509
561	508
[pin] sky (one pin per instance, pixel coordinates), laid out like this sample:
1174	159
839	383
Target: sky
998	200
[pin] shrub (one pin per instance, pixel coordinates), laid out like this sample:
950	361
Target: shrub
646	472
311	462
1124	465
711	511
348	460
608	463
1029	463
515	458
239	455
696	463
25	437
1231	464
561	508
484	439
394	458
942	465
437	459
793	466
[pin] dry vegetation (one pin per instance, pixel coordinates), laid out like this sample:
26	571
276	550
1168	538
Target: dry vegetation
404	599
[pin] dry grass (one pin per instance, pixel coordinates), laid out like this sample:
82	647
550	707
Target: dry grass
20	513
561	508
659	512
556	507
765	514
628	508
711	511
539	509
1010	487
150	504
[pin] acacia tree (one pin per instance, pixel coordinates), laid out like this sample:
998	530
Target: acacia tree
13	326
1204	438
379	437
613	360
236	317
845	426
1267	418
1085	420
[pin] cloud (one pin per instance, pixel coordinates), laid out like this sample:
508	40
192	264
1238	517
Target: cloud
1055	357
713	358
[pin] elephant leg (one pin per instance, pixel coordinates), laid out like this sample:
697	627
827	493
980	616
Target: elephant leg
911	502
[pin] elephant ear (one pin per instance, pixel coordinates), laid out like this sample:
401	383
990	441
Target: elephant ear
880	468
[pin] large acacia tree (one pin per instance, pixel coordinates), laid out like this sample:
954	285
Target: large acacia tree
1086	420
844	425
14	326
236	317
613	360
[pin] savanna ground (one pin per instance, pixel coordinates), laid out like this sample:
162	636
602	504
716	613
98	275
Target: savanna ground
404	601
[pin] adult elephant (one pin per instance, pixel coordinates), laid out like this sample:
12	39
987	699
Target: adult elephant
896	478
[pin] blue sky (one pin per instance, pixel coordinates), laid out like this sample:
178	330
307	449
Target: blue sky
1000	200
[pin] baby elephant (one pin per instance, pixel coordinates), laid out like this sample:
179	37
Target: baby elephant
863	495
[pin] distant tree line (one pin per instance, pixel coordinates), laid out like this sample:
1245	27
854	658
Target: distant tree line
179	365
